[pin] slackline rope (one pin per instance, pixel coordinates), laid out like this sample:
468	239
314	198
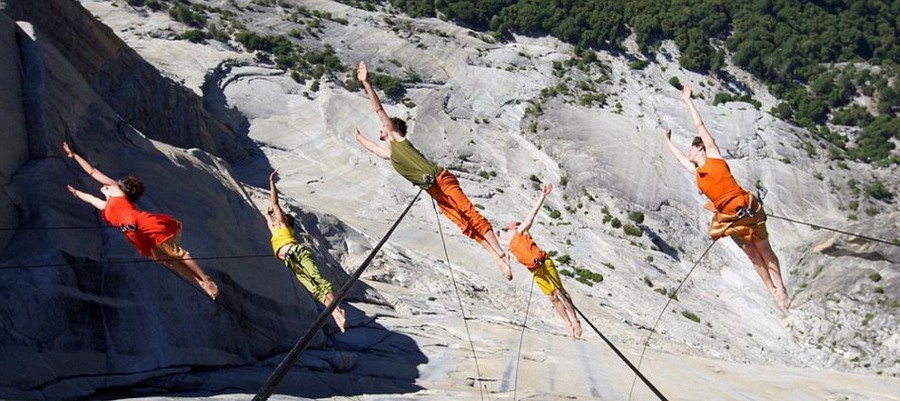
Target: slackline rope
768	214
521	337
622	357
834	229
135	261
57	228
288	362
672	296
481	387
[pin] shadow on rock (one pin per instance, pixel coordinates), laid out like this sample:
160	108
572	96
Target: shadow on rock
660	243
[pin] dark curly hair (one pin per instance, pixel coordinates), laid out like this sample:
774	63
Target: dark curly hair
132	187
400	125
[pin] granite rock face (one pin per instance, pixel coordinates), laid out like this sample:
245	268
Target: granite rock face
500	116
155	105
81	311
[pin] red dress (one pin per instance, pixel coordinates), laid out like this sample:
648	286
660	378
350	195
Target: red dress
143	229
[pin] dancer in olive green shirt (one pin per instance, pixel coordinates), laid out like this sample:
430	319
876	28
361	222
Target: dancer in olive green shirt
437	181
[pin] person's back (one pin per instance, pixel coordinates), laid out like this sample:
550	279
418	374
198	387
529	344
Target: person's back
737	213
143	229
440	183
715	180
412	165
156	236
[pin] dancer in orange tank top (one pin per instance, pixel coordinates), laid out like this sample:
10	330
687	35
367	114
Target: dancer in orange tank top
541	266
156	236
737	213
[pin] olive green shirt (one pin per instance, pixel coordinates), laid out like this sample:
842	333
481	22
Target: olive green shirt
409	163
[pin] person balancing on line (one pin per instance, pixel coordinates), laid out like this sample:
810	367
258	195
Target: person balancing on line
437	181
156	236
297	257
541	266
737	213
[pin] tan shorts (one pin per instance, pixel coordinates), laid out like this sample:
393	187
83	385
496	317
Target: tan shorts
169	249
741	230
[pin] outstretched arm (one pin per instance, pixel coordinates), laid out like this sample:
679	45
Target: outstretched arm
712	150
362	75
93	200
529	220
274	214
372	146
682	159
90	170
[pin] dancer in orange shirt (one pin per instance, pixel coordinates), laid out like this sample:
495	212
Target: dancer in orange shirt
536	261
437	181
156	236
737	213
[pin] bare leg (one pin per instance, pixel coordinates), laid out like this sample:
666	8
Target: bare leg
190	269
338	314
570	309
491	244
180	269
560	303
760	265
774	271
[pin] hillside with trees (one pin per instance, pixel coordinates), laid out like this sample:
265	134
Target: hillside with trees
830	62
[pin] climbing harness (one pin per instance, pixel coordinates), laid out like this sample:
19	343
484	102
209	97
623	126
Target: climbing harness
294	355
743	211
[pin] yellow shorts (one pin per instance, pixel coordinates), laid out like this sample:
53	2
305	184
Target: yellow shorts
547	278
169	249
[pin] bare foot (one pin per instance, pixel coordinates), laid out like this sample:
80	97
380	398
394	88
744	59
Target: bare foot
503	264
781	298
209	286
576	329
340	318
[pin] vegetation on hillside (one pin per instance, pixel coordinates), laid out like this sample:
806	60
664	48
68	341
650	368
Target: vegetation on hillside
818	57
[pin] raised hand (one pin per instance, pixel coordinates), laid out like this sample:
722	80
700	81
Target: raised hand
361	72
686	93
69	153
274	175
546	188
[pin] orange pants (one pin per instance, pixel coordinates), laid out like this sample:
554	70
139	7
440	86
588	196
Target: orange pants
457	207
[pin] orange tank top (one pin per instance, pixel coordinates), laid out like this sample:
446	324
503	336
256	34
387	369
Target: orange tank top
716	182
144	230
525	250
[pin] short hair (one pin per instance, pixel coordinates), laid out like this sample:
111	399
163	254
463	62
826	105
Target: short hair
698	142
400	125
132	187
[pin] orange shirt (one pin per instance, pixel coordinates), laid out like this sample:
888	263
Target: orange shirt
525	250
716	182
144	230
